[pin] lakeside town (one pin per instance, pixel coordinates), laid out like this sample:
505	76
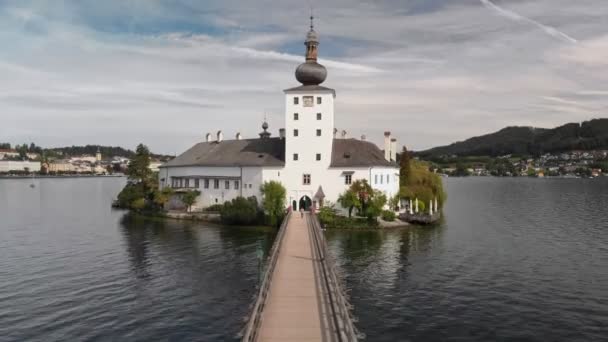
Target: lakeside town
584	164
35	161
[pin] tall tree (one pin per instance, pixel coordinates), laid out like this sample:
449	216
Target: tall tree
139	167
405	167
189	198
274	200
349	200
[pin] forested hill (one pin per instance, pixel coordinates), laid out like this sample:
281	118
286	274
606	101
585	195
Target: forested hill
588	135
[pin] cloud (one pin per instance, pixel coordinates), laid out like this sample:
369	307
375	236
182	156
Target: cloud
552	31
431	71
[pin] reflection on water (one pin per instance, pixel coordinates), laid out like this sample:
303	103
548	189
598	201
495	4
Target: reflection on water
71	269
514	259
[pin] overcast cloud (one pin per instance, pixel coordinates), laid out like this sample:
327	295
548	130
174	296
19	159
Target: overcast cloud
120	72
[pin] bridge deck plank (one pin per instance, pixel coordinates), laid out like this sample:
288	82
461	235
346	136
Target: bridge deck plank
295	309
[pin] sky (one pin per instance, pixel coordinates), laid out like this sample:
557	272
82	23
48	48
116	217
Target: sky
164	73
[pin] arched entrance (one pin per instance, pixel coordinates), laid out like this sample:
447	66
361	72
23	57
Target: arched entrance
305	203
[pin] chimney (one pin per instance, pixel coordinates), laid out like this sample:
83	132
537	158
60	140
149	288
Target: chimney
363	137
394	149
344	134
387	146
282	133
238	136
208	137
220	136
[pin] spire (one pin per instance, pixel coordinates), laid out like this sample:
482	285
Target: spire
312	25
310	72
265	134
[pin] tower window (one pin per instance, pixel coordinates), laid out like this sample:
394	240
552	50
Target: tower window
296	116
306	179
295	156
318	116
296	100
295	132
318	156
319	100
348	179
318	132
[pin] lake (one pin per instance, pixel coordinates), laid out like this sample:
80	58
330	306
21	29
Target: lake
515	259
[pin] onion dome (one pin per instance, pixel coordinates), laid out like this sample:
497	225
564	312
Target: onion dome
265	134
311	72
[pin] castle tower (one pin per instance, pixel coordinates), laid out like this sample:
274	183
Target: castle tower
309	127
309	112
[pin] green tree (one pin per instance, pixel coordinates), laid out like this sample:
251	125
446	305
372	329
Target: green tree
273	201
139	167
393	202
364	194
376	203
189	198
349	199
404	167
161	197
423	184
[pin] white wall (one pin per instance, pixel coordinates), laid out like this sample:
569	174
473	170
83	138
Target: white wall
9	165
307	144
249	178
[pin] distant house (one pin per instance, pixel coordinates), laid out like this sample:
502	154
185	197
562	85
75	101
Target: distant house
9	153
61	165
22	165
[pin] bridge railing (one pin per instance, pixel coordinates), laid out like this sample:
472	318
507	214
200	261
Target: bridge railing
255	319
338	300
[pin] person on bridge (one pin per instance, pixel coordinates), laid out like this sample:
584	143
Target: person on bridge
301	212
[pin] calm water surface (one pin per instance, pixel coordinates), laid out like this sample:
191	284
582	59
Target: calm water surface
515	260
72	269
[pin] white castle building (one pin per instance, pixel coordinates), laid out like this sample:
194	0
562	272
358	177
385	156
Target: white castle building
312	163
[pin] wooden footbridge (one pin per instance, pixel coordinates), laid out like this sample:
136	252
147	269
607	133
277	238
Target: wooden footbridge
300	297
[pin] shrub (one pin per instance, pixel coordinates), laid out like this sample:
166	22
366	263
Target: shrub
130	193
189	198
241	211
388	215
214	208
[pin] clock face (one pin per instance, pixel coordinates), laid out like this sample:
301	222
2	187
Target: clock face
308	101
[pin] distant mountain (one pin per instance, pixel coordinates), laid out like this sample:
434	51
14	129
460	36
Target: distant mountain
587	135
